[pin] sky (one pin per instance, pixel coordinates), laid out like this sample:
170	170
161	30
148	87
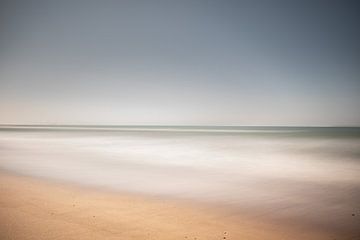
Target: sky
180	62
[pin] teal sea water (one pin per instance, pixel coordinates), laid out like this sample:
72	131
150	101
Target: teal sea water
295	174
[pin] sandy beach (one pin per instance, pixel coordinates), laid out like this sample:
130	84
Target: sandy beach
37	209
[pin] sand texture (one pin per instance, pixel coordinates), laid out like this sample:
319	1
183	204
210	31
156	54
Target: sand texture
37	209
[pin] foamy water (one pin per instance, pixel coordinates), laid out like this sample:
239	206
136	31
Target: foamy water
301	174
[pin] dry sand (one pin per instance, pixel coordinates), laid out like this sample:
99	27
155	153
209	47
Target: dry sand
38	209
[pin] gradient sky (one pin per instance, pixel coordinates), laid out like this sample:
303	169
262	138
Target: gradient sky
180	62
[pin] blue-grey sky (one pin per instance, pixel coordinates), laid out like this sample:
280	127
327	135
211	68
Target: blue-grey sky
180	62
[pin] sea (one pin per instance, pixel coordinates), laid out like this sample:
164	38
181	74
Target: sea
294	174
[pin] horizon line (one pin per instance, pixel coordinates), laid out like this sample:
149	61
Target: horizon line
169	125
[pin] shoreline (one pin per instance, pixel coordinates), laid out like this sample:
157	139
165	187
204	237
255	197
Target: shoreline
33	208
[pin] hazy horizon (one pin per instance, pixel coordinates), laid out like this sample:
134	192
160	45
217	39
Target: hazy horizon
175	125
216	63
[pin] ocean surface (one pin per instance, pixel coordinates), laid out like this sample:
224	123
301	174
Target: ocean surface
298	174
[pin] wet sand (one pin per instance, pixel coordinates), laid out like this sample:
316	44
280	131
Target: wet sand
32	208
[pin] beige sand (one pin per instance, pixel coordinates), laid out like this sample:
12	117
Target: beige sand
36	209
